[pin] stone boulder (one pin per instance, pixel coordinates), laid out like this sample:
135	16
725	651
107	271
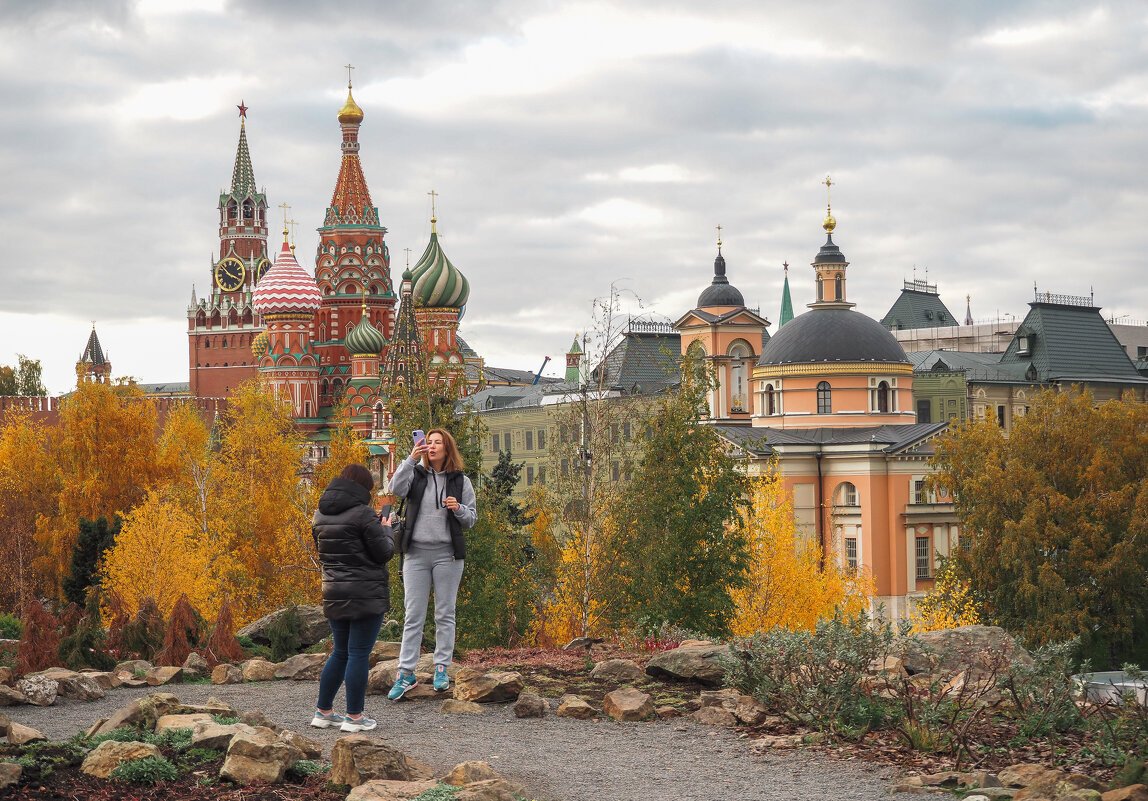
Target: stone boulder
571	706
10	774
357	758
310	748
39	690
226	674
173	722
966	648
384	651
257	718
133	666
530	705
617	670
453	706
72	684
301	667
466	772
701	663
5	722
490	790
1133	792
258	758
390	790
217	736
258	669
1060	785
22	735
106	679
10	696
472	684
315	626
129	715
108	755
628	704
714	716
159	676
195	666
155	705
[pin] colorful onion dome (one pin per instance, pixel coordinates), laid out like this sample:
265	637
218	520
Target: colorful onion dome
364	339
350	112
286	288
260	344
435	281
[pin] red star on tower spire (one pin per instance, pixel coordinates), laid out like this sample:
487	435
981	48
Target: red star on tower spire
242	110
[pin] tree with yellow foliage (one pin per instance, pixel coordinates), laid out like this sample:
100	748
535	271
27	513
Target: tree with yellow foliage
104	453
29	484
161	552
948	605
786	585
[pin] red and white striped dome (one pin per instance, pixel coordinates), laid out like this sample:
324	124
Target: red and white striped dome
286	288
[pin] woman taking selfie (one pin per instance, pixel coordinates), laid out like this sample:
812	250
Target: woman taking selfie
439	507
354	547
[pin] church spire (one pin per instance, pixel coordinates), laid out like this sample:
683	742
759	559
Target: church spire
786	302
968	309
243	176
351	200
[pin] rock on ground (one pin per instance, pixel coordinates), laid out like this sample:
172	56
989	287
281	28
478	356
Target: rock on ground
358	758
571	706
315	626
108	755
258	758
390	790
530	705
39	690
467	772
951	651
484	687
628	704
618	670
700	663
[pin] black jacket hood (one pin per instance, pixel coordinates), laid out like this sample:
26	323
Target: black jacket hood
341	494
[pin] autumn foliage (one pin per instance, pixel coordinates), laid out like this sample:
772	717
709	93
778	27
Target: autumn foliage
787	586
40	639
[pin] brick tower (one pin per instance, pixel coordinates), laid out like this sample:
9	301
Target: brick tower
351	260
222	325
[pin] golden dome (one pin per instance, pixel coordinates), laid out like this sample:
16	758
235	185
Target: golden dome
350	112
829	224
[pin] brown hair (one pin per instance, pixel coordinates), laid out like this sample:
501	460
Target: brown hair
452	459
360	475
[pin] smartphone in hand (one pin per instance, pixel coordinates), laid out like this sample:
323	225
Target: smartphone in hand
385	514
419	436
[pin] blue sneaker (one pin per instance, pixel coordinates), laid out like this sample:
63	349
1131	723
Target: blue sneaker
362	723
441	680
404	682
323	721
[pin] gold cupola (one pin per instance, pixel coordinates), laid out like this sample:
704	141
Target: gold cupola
350	112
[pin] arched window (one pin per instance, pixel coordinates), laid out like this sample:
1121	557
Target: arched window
846	495
820	289
770	400
248	210
324	388
337	388
840	287
739	352
207	342
231	210
824	398
883	397
378	421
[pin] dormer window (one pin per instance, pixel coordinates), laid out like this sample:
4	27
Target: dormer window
1022	345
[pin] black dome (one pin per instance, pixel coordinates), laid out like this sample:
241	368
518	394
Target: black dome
832	335
720	292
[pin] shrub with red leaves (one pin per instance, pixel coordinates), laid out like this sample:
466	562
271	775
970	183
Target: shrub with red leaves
40	639
222	646
183	633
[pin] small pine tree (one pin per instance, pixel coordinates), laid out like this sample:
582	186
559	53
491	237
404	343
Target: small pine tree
40	640
143	636
285	632
184	630
95	537
84	646
221	645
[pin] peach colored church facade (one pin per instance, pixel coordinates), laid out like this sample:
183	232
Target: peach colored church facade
830	396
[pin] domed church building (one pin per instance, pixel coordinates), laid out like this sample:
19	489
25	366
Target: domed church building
832	402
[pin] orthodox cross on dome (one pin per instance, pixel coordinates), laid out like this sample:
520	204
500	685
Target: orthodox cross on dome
719	237
433	217
829	223
242	110
285	207
292	223
408	250
349	68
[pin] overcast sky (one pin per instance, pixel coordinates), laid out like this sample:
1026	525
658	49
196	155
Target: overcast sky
572	144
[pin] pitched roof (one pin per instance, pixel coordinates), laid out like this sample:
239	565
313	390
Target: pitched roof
902	439
918	306
647	360
1068	343
93	351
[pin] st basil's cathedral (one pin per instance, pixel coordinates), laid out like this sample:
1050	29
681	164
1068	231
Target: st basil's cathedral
339	333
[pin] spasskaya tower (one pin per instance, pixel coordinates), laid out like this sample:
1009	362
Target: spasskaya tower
222	324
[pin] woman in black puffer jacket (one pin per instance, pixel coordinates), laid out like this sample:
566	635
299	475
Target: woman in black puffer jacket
354	547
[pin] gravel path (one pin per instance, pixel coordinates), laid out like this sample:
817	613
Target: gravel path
554	758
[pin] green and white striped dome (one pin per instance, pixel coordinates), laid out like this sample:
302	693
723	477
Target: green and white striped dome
364	339
435	281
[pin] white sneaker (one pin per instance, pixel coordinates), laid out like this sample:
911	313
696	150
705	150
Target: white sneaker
362	724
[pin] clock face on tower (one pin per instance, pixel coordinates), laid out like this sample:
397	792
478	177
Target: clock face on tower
261	269
229	274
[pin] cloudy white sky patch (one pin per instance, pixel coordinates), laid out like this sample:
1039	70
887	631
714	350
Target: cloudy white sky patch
571	144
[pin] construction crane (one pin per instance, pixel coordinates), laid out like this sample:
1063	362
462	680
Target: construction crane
540	369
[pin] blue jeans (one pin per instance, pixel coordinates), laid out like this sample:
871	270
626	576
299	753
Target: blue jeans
349	662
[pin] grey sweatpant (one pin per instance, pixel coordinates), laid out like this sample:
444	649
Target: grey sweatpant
422	569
